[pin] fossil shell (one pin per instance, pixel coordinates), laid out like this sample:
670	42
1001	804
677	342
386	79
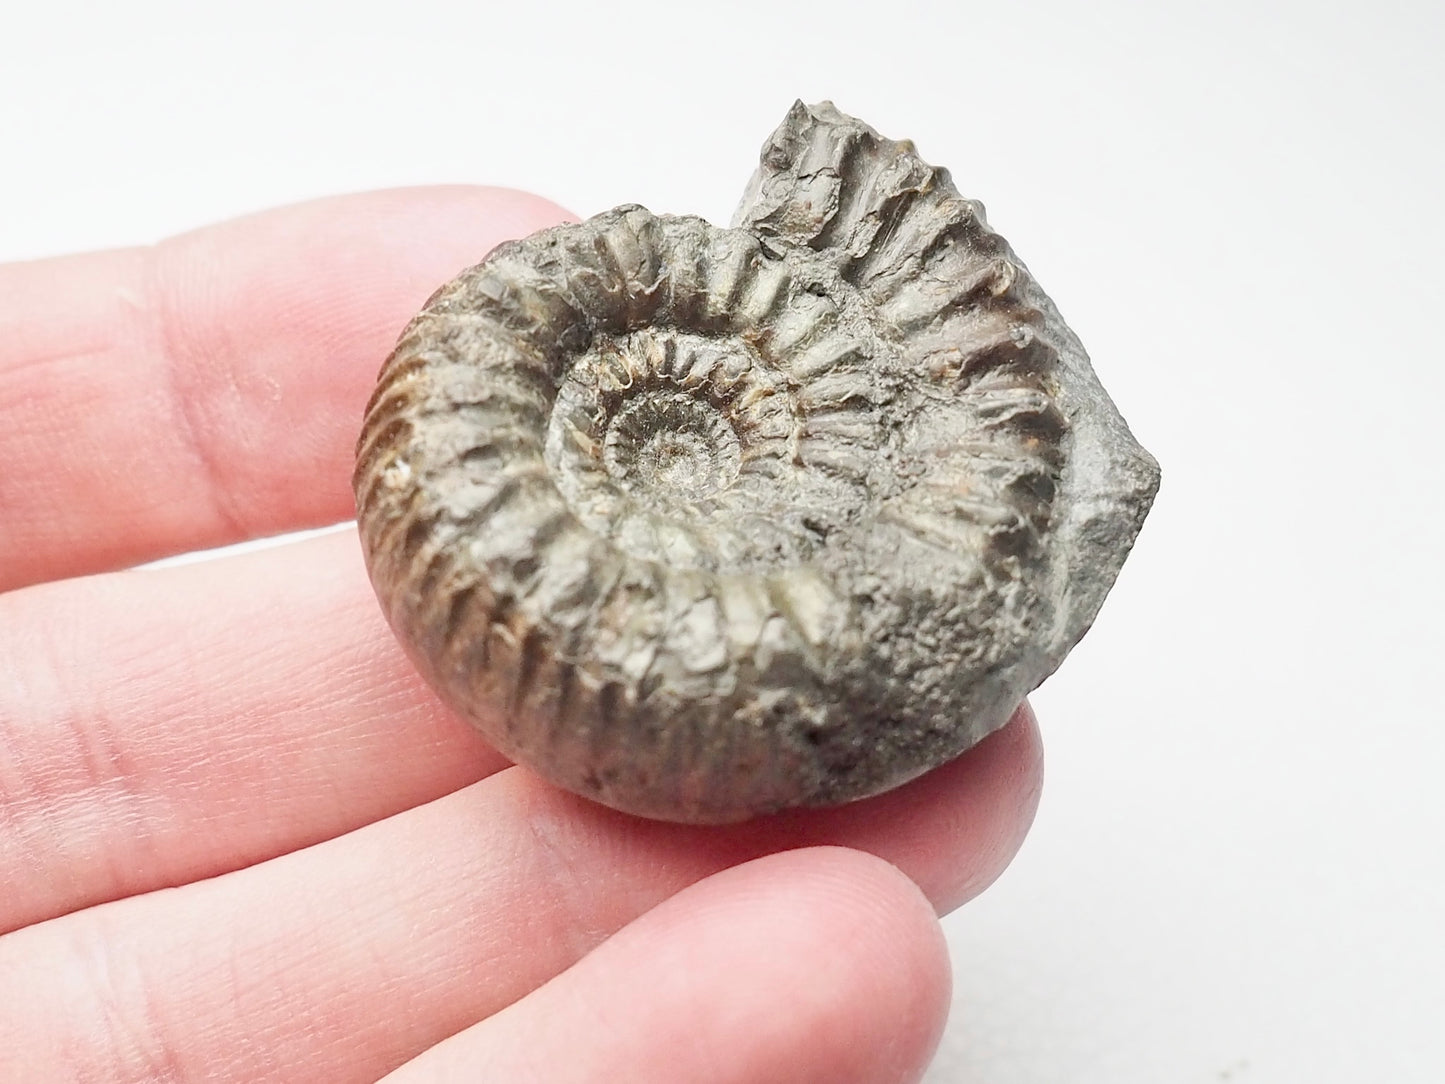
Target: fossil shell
703	523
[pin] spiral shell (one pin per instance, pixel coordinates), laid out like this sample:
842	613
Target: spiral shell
703	523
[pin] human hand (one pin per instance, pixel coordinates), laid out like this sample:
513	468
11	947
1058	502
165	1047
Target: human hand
241	840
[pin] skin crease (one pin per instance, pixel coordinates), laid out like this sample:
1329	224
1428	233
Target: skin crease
240	839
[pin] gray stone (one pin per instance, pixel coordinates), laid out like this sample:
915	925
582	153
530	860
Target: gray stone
704	523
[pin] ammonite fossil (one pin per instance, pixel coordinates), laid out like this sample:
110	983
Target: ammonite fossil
703	523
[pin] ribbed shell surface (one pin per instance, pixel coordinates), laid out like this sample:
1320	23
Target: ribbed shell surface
704	523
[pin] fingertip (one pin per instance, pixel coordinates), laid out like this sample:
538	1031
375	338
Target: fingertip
953	830
816	966
526	210
1020	757
1004	775
886	945
870	993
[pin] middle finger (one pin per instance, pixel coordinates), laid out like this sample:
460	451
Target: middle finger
165	725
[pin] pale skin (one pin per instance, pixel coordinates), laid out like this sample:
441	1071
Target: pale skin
241	840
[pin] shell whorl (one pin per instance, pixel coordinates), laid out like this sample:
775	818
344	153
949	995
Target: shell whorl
704	523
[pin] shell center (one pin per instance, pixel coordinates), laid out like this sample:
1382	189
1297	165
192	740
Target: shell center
668	446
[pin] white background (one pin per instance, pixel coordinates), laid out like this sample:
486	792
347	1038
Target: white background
1237	871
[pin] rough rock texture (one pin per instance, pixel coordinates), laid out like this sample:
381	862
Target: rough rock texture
704	523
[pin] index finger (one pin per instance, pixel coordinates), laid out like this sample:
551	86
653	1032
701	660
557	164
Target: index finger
209	389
